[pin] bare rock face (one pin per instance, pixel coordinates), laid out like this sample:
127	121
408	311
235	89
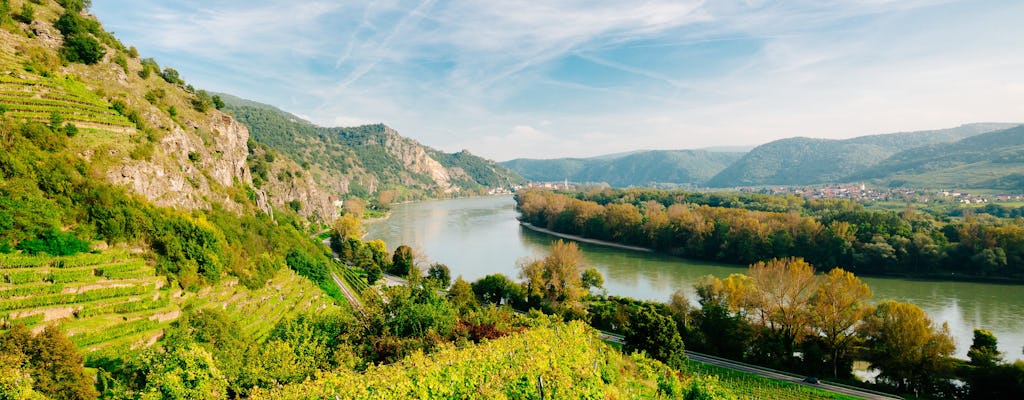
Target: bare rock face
186	172
415	159
46	34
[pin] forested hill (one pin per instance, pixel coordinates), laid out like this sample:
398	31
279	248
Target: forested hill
643	168
805	161
368	159
993	160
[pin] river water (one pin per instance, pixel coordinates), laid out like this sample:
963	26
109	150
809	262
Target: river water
476	237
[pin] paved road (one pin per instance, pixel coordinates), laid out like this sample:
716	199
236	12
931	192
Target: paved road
750	369
351	297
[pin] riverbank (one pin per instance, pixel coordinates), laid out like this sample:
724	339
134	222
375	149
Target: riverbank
582	239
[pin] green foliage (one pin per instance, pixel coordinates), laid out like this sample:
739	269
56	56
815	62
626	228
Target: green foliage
50	360
193	248
989	160
149	67
82	48
656	335
27	13
186	372
401	261
440	275
54	243
202	102
634	169
803	161
170	75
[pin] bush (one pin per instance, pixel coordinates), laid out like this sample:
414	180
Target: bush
54	243
83	48
27	14
170	75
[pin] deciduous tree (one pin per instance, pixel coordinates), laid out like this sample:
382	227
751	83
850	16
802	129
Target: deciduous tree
907	347
838	305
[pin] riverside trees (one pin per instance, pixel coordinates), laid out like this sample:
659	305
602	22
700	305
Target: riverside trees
747	228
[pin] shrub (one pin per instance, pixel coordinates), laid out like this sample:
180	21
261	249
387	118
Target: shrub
54	243
27	14
83	48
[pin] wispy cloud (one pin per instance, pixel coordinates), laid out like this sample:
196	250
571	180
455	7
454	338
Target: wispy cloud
602	75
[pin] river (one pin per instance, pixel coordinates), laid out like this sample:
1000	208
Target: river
479	236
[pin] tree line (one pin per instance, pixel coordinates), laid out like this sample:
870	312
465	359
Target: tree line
747	228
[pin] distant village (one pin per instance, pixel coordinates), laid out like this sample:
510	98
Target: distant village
860	192
852	191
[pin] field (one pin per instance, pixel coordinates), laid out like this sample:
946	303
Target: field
114	300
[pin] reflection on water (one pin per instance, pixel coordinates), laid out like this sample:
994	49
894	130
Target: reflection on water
480	236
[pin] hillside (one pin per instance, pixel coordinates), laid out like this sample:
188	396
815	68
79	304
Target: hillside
368	159
805	161
993	160
642	168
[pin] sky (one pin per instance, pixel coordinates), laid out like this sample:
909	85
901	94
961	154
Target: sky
546	79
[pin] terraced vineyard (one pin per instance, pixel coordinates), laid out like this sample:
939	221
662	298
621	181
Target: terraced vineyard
98	299
114	300
37	100
356	278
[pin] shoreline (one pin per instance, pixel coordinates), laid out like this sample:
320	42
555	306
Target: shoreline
582	239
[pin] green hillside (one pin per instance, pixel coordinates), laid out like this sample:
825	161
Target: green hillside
993	160
806	161
642	168
368	159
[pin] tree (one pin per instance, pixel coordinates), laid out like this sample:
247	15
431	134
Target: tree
984	352
402	261
782	295
348	226
493	289
49	361
373	274
656	335
906	346
837	306
440	274
355	206
461	295
557	278
592	279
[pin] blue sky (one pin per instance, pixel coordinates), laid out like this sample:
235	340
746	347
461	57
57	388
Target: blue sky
540	79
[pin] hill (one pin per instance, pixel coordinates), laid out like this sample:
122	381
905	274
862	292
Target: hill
805	161
993	160
641	168
365	160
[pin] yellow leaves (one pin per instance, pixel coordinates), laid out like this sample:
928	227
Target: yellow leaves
348	226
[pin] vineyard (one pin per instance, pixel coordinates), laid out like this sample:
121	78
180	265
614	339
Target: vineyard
550	362
37	100
356	278
751	386
111	301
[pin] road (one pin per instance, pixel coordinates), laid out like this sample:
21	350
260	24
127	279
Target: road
351	297
750	369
